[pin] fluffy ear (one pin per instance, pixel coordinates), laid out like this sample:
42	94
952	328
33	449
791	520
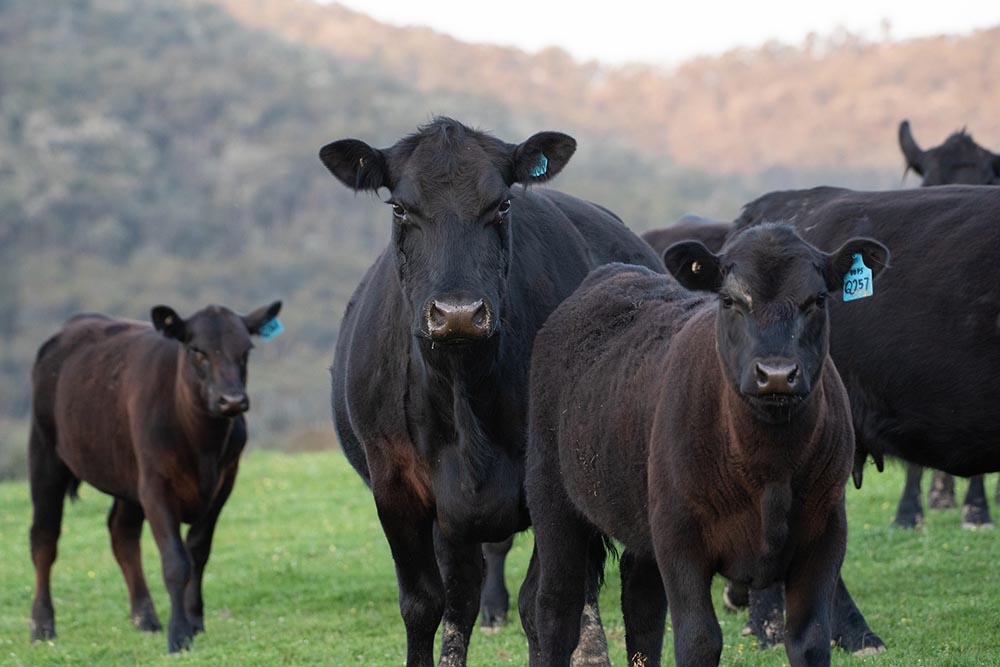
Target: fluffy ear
911	151
874	254
167	321
356	164
694	266
261	316
542	157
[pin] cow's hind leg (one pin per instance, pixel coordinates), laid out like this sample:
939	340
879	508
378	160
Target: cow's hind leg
592	648
942	493
975	509
50	479
644	608
495	600
199	544
910	512
125	525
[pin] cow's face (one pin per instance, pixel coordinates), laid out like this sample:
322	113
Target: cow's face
772	328
215	345
453	214
959	160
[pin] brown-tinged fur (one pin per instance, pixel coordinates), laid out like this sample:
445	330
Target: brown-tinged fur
154	419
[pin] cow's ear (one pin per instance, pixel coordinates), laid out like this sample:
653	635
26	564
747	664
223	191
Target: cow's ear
873	254
261	316
356	164
911	151
694	266
168	322
542	156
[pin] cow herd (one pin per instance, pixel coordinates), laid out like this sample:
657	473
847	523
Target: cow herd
518	357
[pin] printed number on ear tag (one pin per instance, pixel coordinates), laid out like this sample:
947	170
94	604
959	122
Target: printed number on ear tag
270	329
858	281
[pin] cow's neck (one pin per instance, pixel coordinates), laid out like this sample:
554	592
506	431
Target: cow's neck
771	451
461	388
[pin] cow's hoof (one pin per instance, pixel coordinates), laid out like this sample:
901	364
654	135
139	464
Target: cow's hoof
43	630
144	618
976	518
868	643
491	621
909	521
770	635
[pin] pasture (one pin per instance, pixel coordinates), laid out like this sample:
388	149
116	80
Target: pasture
300	574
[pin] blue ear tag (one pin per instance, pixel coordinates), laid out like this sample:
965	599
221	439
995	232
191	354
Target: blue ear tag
270	329
541	167
858	282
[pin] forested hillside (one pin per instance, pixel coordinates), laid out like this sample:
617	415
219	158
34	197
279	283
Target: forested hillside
161	152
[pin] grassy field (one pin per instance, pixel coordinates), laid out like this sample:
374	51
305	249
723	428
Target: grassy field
301	575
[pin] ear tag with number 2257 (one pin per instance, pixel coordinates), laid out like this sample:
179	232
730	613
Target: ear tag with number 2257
858	281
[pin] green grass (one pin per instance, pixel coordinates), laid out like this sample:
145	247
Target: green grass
301	575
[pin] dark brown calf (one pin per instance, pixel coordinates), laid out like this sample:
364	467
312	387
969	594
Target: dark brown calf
153	417
706	433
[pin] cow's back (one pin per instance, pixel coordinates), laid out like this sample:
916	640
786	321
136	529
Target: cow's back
614	332
85	382
921	358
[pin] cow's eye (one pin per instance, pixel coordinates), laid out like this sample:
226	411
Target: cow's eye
727	301
200	357
399	212
821	300
504	208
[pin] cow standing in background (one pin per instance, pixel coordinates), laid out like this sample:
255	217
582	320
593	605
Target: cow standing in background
154	417
959	160
920	358
431	368
705	432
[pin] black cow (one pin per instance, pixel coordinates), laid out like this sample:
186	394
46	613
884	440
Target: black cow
920	359
431	366
711	233
153	417
959	160
705	432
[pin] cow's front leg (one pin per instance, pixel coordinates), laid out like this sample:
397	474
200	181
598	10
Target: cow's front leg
165	526
462	571
687	577
809	593
199	544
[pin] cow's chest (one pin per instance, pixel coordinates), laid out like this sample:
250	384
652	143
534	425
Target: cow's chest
754	541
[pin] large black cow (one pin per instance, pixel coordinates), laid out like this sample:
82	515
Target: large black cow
152	415
959	160
920	359
705	433
431	367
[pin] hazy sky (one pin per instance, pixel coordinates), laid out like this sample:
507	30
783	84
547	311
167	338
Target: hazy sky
667	32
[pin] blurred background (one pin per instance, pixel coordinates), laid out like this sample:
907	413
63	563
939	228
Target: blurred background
164	151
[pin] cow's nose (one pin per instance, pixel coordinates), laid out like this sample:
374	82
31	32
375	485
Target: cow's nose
776	377
233	404
457	319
